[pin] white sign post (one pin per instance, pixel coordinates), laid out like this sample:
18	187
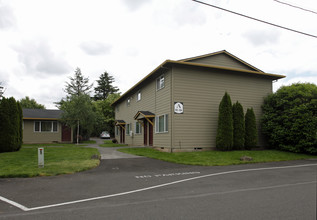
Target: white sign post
40	153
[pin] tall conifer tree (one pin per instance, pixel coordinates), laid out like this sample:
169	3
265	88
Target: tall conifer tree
105	87
250	130
238	126
224	139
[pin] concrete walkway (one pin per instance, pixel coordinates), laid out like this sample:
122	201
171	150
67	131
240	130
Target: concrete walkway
110	152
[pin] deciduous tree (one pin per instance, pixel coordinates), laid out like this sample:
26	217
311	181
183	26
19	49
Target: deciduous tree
79	108
290	118
30	103
105	114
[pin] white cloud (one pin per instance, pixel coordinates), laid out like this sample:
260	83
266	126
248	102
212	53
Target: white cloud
95	48
7	18
262	37
135	4
39	58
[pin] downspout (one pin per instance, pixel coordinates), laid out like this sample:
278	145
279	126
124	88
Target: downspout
172	107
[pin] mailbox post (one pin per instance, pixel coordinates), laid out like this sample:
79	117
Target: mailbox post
40	153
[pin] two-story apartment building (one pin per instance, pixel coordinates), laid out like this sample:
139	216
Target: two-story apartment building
175	107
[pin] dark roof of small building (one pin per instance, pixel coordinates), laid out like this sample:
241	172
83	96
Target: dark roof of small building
41	114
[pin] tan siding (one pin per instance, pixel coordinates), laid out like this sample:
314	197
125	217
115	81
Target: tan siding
222	60
201	92
29	136
154	101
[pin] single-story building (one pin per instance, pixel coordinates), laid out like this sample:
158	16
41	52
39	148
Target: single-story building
176	105
44	126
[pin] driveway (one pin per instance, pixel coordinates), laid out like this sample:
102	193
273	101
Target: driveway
110	152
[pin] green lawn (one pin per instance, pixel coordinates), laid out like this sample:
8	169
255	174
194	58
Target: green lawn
217	158
89	142
61	159
108	143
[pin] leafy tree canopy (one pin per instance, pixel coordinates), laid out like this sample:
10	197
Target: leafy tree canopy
30	103
105	114
290	118
79	107
105	87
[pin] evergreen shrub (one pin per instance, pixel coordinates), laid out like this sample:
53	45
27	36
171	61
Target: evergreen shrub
238	126
224	139
250	130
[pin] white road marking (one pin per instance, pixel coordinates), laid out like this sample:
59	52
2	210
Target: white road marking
14	204
148	188
167	174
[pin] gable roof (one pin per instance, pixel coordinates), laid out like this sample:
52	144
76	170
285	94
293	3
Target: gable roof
196	59
193	62
42	114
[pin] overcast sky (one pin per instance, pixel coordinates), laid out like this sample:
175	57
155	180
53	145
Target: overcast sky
43	41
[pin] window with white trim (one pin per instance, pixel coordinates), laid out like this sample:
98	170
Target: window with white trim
127	129
160	82
161	123
137	128
117	130
138	96
45	126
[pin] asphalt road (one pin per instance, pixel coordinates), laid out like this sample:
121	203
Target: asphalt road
143	188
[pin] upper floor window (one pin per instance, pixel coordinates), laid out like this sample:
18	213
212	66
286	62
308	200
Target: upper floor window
45	126
138	96
129	101
160	82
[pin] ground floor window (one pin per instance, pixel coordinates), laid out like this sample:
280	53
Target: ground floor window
127	129
45	126
161	123
137	128
117	130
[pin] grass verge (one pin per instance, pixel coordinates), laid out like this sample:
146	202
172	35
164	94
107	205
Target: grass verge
89	142
217	158
58	159
108	143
